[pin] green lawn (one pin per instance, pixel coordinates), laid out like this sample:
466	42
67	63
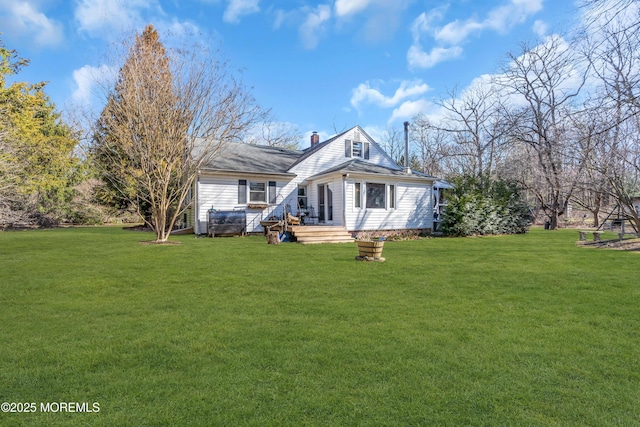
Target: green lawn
514	330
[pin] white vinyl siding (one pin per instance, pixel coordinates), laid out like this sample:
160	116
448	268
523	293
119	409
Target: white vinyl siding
413	209
222	193
334	153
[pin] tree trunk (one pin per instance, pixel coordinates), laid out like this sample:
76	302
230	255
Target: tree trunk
553	221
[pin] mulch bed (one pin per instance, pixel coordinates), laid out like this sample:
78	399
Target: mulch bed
620	245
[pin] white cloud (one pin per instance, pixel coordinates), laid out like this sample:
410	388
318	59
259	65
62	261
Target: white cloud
110	18
178	27
500	19
347	8
314	25
424	23
452	35
409	109
350	7
418	58
540	28
102	17
505	17
238	8
456	32
24	19
88	79
365	94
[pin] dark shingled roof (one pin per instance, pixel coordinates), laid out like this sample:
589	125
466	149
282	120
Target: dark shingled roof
250	158
359	166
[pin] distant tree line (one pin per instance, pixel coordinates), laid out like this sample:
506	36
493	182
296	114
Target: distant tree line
560	120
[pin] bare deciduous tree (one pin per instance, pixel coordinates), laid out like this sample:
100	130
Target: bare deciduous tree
275	134
429	143
592	192
545	80
392	140
474	122
614	54
168	114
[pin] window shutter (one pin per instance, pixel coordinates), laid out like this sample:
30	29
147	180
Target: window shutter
366	150
347	148
242	191
272	192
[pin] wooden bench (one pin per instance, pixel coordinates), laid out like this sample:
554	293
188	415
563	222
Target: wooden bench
596	235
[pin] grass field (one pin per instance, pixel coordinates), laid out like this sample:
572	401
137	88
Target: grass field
513	330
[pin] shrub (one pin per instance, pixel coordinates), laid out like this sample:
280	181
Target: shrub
479	206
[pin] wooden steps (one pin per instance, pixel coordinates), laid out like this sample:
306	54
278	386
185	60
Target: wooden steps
310	234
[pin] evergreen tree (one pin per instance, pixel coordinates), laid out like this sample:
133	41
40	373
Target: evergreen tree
38	166
480	206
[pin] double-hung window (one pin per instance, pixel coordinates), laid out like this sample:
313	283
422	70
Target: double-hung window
302	198
258	192
356	149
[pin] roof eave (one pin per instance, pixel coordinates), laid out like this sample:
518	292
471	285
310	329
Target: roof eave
350	173
209	171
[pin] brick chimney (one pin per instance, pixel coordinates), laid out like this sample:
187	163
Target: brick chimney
315	138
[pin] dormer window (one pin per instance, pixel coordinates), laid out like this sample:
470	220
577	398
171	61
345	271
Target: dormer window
356	149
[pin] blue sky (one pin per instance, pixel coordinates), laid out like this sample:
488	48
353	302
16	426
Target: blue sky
320	66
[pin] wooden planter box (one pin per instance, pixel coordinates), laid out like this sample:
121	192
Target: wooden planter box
370	249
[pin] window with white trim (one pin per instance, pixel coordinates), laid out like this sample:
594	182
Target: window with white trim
376	196
258	192
357	195
392	196
302	198
242	191
356	149
272	193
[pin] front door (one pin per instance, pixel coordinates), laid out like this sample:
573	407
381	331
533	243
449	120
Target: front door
321	203
325	204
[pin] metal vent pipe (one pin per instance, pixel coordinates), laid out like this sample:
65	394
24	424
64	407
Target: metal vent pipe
407	169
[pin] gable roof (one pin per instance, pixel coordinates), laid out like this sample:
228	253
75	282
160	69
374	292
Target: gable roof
307	152
249	158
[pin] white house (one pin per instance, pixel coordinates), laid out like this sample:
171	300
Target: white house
346	181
